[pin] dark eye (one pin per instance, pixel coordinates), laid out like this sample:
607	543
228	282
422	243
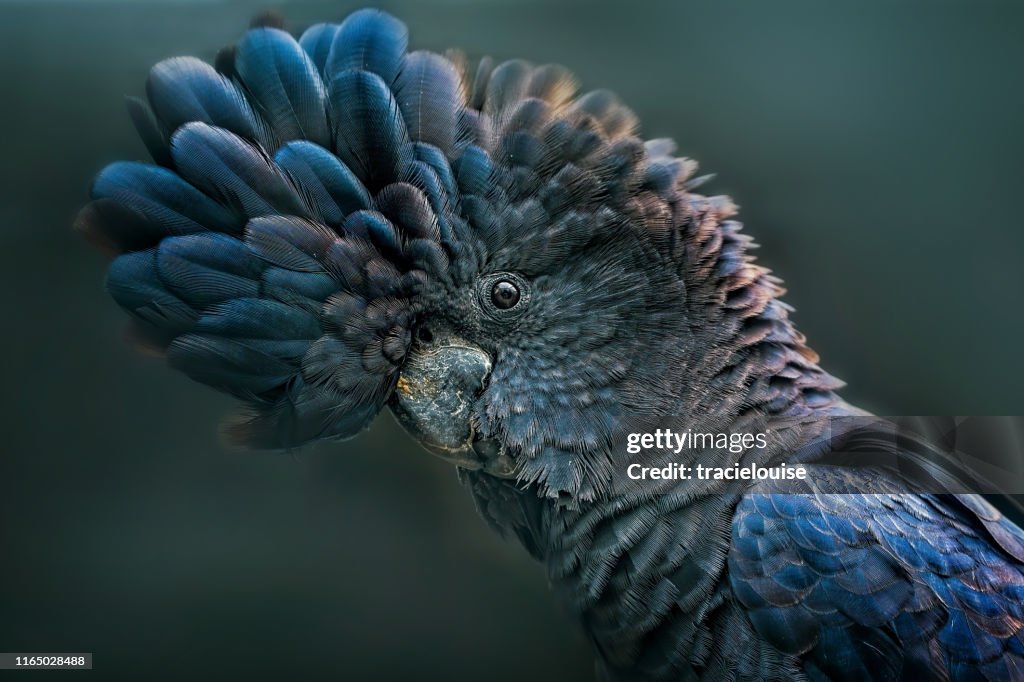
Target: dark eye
504	294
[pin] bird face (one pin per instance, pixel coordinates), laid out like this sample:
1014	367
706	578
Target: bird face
522	371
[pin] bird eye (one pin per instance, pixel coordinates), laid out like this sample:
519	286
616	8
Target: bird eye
504	294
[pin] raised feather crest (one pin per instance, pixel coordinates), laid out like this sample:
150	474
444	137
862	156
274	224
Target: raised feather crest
307	194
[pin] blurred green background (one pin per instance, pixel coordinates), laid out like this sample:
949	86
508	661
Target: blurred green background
875	148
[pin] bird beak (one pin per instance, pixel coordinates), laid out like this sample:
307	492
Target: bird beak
434	398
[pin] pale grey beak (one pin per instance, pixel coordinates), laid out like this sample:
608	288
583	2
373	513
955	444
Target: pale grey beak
434	399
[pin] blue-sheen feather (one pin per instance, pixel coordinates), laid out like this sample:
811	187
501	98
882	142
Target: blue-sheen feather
316	41
234	171
368	40
208	268
133	282
336	189
305	413
115	228
285	84
149	130
293	244
427	255
238	367
433	157
422	176
409	209
473	128
965	642
184	89
288	242
307	290
377	229
163	198
334	364
429	92
475	172
259	318
368	126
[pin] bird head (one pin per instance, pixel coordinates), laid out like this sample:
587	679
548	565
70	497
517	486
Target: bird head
568	318
335	224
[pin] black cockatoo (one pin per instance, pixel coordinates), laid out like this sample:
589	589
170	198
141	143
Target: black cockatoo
335	224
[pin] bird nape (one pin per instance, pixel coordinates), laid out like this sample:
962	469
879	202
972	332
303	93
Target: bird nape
336	224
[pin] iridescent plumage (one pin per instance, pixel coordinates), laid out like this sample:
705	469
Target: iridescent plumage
323	213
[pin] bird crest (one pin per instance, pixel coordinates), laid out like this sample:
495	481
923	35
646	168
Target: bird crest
309	200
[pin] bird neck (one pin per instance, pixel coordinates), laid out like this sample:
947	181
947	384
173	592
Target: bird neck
753	368
743	353
628	567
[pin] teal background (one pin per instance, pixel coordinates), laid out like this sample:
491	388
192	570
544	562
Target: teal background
875	148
